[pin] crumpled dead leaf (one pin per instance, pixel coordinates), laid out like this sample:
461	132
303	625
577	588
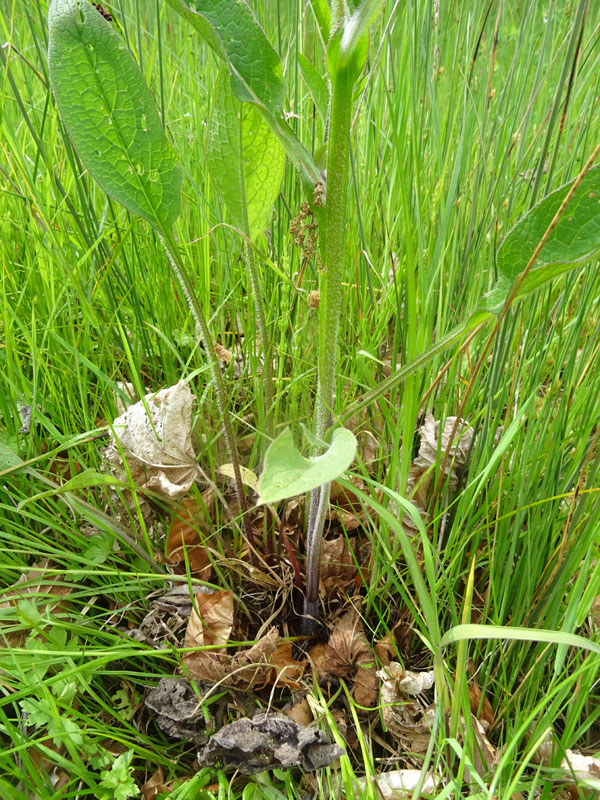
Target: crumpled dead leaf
166	621
158	450
267	661
183	539
178	712
406	718
269	741
338	569
430	445
347	654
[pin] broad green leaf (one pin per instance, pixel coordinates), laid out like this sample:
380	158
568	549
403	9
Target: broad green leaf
316	86
110	114
288	473
245	159
9	460
232	32
573	241
323	16
349	47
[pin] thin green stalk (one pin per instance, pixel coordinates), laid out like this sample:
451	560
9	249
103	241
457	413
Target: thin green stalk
170	246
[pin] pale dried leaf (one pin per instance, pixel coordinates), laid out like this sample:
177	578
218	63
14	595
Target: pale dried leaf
407	720
158	450
431	448
397	784
581	767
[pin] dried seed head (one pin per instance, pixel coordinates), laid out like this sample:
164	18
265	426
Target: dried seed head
319	194
313	299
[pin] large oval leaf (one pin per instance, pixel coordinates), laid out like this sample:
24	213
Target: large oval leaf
288	473
245	159
110	114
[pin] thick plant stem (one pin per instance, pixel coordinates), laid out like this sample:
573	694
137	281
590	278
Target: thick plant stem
331	305
170	246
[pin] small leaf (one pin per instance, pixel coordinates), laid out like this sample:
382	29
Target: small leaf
288	473
245	159
110	114
87	479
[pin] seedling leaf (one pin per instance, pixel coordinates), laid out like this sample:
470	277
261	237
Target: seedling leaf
288	473
245	159
110	114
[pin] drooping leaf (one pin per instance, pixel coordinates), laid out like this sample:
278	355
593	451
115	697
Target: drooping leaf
287	472
245	159
110	114
573	241
232	32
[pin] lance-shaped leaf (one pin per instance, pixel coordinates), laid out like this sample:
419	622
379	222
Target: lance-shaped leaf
287	472
231	30
110	114
245	159
574	239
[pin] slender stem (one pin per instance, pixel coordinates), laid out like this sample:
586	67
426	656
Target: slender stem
172	251
330	311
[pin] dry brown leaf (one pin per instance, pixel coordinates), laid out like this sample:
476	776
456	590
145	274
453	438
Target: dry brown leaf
155	785
300	712
158	450
286	670
211	621
337	565
345	506
347	654
481	709
183	539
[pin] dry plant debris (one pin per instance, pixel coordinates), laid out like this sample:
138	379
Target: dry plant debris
348	655
269	741
407	718
433	442
157	447
397	784
178	710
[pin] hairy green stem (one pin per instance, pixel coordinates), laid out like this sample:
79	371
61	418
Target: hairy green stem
331	304
171	249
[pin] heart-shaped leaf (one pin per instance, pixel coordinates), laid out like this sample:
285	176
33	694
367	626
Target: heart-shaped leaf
288	473
110	114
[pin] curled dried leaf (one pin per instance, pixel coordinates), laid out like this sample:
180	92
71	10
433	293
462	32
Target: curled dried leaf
155	438
407	719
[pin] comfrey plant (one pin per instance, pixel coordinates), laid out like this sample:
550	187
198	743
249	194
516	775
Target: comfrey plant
112	120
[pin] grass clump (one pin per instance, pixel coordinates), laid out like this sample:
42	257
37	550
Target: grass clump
463	118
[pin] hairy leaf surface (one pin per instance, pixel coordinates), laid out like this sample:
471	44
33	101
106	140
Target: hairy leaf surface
110	114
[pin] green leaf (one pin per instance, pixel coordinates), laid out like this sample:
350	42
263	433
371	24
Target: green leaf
84	480
574	240
9	460
316	86
118	782
245	159
232	32
110	114
349	47
230	29
288	473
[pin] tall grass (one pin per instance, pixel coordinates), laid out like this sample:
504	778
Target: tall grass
468	113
